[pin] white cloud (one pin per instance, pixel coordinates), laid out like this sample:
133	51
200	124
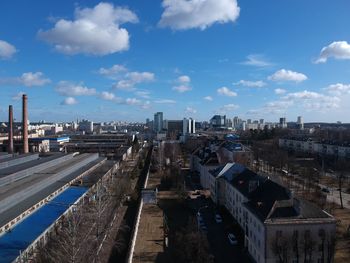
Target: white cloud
184	79
18	96
31	79
208	98
280	91
251	84
165	101
105	95
143	94
313	101
6	50
182	88
287	75
190	110
256	60
227	108
226	92
28	79
133	101
337	50
66	88
113	71
184	84
133	78
69	101
338	89
187	14
94	31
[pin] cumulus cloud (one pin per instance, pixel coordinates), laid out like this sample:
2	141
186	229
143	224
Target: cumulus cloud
94	31
287	75
165	101
69	101
313	101
105	95
184	79
182	88
190	110
113	71
66	88
184	82
143	94
337	50
280	91
28	79
227	108
133	101
208	98
6	50
188	14
251	84
338	89
31	79
226	92
130	79
256	60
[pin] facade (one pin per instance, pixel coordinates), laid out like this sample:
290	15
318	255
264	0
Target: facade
218	121
277	226
86	126
283	123
307	145
158	122
188	126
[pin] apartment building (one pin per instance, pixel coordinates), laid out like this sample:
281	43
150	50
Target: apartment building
311	146
277	226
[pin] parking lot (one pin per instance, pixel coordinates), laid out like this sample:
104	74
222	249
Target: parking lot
216	232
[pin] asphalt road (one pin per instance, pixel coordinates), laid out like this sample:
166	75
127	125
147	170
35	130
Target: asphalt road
217	233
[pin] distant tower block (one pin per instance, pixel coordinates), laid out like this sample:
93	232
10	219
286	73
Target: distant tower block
10	130
25	124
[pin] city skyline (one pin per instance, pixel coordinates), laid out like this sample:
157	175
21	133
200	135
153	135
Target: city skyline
122	60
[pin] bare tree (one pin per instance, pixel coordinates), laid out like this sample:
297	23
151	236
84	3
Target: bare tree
280	247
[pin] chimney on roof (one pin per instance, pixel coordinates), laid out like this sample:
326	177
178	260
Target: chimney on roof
25	124
10	131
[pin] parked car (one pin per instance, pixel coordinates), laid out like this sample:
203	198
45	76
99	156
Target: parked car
218	218
232	239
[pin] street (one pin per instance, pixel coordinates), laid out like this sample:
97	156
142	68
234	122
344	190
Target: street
217	233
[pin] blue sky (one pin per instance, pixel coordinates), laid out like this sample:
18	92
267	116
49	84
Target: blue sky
125	60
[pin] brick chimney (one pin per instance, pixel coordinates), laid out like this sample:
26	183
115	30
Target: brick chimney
25	124
10	131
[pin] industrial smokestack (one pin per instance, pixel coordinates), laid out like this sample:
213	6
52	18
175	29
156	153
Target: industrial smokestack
10	131
25	124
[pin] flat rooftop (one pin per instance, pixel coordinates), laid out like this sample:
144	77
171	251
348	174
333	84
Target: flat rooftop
16	168
24	183
10	158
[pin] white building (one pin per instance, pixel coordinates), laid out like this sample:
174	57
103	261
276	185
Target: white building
275	224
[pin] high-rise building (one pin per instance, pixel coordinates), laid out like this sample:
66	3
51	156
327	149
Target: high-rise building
283	122
188	126
158	122
300	122
261	121
218	121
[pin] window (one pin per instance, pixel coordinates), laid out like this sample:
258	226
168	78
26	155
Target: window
258	243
